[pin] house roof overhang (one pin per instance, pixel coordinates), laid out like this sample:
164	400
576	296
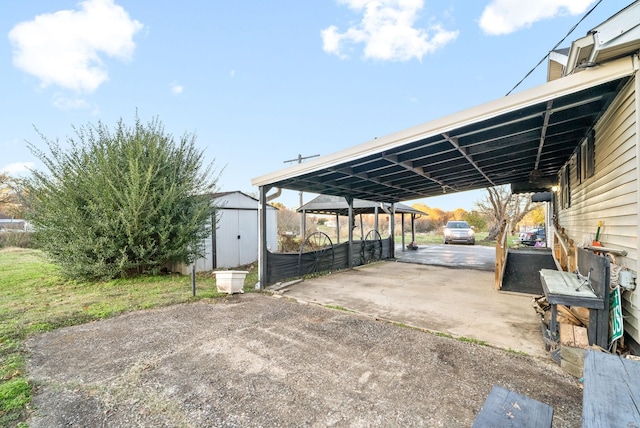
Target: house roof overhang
523	138
614	38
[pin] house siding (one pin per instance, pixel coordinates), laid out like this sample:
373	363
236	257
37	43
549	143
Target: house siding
611	194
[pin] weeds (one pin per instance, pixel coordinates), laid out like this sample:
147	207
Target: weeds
476	341
339	308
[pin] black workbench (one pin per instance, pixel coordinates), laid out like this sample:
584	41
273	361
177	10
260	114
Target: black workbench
566	288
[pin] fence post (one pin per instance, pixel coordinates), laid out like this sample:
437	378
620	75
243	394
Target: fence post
193	280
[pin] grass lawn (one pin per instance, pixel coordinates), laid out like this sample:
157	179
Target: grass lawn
34	298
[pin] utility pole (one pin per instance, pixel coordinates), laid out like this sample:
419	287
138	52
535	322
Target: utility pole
299	160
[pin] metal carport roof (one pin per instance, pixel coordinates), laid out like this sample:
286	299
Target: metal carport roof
525	138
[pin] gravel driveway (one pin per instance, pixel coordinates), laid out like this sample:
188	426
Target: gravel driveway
255	360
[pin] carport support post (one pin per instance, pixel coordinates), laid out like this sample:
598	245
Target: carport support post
375	219
349	200
392	227
193	279
402	226
413	228
262	237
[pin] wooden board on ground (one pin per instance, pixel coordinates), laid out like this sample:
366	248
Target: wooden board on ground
506	408
581	313
572	360
611	391
565	315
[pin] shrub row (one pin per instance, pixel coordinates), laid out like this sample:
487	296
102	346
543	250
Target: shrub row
16	239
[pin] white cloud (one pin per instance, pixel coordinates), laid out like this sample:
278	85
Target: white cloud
65	103
18	167
506	16
387	31
177	89
66	48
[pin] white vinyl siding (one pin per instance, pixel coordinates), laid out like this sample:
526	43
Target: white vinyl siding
611	195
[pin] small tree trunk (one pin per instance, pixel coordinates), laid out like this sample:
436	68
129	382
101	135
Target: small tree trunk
493	232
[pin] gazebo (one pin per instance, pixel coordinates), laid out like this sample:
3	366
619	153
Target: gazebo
338	206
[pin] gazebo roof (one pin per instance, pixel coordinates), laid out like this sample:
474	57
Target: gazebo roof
337	205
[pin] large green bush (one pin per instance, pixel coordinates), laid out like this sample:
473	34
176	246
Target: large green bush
122	202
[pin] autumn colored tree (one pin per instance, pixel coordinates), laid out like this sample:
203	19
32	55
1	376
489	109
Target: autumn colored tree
436	217
535	217
288	219
458	214
10	191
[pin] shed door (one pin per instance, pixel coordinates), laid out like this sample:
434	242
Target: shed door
236	238
247	236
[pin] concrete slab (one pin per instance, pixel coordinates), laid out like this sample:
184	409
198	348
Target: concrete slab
456	256
458	302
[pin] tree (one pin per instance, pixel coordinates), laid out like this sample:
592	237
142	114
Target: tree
475	219
5	189
436	218
500	205
458	214
122	202
288	220
534	217
9	195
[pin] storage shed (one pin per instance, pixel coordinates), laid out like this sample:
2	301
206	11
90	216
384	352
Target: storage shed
234	238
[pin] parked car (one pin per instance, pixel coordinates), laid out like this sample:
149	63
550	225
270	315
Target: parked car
459	231
532	236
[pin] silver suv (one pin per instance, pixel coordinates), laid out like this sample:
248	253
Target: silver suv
459	231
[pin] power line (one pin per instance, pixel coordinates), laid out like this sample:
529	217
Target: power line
554	48
299	160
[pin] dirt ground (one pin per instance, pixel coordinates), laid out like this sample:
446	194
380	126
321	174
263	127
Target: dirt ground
257	360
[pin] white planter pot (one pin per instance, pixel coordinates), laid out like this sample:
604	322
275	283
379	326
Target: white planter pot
230	281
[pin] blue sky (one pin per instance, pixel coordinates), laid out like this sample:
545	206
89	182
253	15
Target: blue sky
261	82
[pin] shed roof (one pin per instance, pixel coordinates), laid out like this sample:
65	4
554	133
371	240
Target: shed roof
241	196
336	205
